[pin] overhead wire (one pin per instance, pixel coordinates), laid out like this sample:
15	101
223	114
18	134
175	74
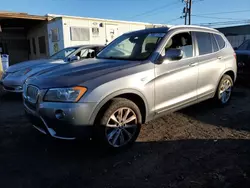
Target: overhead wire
156	9
195	15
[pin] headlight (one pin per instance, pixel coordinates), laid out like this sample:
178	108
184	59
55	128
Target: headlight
65	94
21	72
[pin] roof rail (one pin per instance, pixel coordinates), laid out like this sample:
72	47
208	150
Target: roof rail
192	26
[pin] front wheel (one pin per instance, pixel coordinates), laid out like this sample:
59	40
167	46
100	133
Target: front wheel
120	124
224	90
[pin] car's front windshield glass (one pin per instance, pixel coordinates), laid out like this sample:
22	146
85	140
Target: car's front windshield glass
133	46
63	53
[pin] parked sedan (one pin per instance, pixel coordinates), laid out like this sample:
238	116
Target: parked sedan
15	75
243	60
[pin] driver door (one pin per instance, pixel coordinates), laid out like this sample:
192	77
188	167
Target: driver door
176	80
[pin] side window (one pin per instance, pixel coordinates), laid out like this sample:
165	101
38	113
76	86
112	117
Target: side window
214	43
181	41
204	43
220	41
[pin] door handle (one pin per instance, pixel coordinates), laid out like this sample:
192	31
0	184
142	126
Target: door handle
193	64
220	57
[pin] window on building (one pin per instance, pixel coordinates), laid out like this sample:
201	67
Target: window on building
55	35
204	43
220	41
34	45
214	43
42	45
79	34
181	41
95	31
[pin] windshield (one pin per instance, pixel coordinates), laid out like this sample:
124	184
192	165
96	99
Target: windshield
134	46
64	53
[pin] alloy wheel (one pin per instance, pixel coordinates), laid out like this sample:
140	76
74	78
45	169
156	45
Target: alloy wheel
225	91
121	127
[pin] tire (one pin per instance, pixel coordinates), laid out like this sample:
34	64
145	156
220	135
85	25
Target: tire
223	95
111	125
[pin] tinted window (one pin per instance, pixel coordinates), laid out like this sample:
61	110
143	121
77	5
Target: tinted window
220	41
214	43
181	41
204	43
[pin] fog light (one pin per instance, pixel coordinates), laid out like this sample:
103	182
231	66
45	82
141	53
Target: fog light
59	114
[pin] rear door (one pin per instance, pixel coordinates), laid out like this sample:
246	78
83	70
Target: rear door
211	64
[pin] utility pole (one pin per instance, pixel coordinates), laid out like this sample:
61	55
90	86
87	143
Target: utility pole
185	11
189	12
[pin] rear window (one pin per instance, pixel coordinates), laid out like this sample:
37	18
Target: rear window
204	43
220	41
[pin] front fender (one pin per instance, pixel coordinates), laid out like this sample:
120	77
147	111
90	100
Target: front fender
113	95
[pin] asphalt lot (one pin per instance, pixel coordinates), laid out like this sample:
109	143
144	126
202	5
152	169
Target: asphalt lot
200	146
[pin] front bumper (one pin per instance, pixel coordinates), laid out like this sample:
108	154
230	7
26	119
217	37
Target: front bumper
12	85
74	124
13	89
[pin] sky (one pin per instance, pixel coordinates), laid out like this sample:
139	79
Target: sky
153	11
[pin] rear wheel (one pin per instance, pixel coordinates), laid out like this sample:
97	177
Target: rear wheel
224	90
120	124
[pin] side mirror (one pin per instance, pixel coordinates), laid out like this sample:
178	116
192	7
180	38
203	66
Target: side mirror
172	54
74	58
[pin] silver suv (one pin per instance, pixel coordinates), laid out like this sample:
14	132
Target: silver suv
139	76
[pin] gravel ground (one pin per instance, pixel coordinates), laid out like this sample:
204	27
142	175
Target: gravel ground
200	146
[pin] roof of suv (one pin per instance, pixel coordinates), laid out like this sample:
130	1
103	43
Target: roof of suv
166	29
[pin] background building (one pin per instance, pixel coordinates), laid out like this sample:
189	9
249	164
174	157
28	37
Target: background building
236	34
24	36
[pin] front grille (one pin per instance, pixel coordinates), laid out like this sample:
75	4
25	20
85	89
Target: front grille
32	93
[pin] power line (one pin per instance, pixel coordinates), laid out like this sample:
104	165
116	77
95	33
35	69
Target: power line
159	12
169	21
214	17
229	12
155	9
225	23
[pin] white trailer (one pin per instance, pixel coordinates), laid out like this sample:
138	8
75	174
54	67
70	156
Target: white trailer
65	31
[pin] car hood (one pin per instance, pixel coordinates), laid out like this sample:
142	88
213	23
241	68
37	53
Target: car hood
40	63
242	52
76	73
